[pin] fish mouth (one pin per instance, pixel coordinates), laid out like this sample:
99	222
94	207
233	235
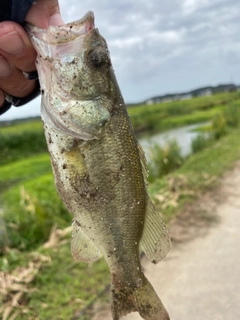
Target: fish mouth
57	35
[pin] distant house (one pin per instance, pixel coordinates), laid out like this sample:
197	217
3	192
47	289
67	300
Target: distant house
205	93
167	99
201	92
186	96
153	101
149	102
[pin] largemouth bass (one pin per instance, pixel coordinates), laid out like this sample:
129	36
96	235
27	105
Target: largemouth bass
99	167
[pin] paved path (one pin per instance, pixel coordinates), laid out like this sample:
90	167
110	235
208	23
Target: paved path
200	279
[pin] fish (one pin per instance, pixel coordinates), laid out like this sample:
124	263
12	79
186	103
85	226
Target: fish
99	167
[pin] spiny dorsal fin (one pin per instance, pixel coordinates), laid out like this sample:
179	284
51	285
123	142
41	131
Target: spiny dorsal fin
143	163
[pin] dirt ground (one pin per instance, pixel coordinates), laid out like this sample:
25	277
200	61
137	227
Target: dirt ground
199	279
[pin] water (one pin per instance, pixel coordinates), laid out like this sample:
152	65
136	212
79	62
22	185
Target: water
183	136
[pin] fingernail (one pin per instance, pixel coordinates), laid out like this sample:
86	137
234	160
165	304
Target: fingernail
12	43
55	20
5	68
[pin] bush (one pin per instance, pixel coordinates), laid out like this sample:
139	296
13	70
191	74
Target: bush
201	142
219	126
232	115
14	146
164	159
224	121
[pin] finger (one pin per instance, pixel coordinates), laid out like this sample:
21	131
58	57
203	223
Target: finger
2	98
16	46
44	13
12	80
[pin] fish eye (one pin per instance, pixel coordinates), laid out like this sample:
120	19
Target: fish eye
98	58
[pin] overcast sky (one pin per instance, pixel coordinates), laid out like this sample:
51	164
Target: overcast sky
160	47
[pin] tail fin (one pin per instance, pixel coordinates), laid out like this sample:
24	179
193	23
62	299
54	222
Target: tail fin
143	299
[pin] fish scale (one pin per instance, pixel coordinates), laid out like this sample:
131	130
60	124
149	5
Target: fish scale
99	167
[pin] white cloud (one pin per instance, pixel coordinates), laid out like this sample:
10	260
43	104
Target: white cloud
190	6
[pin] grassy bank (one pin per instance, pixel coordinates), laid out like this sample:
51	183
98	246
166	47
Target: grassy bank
162	116
21	140
199	173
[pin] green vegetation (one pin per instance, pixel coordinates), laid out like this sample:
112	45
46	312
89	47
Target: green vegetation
201	142
22	126
21	140
64	286
167	159
222	123
162	116
34	233
198	173
31	208
24	169
164	160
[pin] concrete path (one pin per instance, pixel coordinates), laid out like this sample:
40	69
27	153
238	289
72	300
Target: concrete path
200	279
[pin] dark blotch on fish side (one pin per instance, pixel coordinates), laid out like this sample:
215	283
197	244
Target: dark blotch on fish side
49	139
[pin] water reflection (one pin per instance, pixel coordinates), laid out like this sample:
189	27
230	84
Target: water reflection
183	136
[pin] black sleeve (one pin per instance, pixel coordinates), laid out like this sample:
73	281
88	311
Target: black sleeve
15	10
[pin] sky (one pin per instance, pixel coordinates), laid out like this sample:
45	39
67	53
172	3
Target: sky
159	47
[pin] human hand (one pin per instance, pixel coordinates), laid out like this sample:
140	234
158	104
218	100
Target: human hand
17	54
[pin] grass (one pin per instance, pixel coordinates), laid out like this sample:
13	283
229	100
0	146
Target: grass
64	286
199	173
24	169
30	209
162	116
202	141
213	161
24	126
196	117
77	282
15	146
164	160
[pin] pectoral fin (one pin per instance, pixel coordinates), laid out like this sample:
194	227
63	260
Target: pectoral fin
83	249
155	241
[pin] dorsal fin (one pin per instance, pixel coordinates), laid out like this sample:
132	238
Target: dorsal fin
155	241
143	163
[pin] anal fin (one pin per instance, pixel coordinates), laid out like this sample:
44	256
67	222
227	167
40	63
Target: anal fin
155	241
82	247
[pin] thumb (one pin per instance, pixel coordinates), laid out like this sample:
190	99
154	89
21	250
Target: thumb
44	13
